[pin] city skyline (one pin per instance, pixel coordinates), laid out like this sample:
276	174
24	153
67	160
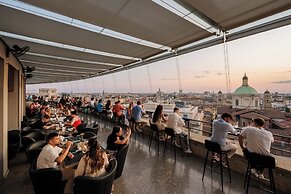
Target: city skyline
264	57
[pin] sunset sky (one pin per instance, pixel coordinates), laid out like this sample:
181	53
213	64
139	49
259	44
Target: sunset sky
265	58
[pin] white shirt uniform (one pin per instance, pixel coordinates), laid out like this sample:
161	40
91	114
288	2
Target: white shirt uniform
175	122
47	157
220	128
258	140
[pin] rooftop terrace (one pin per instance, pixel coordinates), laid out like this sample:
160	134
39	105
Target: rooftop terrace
148	172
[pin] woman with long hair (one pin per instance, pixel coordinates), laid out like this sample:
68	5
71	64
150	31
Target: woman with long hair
75	121
129	111
159	119
115	140
108	107
94	162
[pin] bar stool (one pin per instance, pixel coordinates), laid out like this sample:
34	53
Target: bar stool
214	147
154	133
135	126
257	160
170	133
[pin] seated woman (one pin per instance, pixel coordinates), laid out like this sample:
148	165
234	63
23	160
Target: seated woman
94	162
115	140
129	111
31	109
108	108
43	123
75	121
46	111
159	119
60	106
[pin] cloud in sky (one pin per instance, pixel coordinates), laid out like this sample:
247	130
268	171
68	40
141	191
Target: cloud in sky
199	76
283	82
167	79
203	73
220	73
283	71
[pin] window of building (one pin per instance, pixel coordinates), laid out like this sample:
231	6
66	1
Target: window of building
256	103
236	102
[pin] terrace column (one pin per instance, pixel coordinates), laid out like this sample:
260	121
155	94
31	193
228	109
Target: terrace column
3	118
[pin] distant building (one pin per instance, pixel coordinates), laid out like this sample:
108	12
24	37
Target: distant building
159	93
220	98
267	104
287	101
180	104
245	96
47	92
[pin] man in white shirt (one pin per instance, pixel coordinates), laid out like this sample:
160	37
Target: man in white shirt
220	129
176	122
257	140
52	155
92	103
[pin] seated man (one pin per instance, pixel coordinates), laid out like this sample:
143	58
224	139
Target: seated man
176	122
99	106
220	128
257	140
115	140
137	114
52	156
43	123
117	111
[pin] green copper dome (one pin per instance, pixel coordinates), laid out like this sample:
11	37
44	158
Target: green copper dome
246	90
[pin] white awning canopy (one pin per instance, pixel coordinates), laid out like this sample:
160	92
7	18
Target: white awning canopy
72	39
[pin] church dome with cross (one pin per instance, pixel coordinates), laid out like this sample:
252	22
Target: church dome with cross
245	88
246	96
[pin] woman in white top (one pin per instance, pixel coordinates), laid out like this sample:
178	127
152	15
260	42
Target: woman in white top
95	161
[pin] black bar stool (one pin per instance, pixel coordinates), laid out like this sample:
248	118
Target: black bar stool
214	147
170	133
137	127
154	133
257	160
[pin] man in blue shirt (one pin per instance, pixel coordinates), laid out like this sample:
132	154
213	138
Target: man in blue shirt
137	112
99	106
220	129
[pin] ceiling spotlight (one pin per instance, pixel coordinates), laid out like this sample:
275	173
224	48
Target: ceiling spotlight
29	69
17	50
28	75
